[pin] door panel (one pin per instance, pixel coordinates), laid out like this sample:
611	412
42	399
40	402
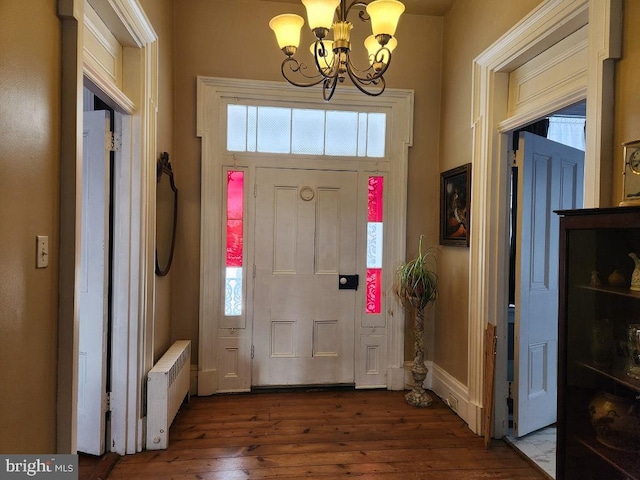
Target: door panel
551	179
93	288
305	237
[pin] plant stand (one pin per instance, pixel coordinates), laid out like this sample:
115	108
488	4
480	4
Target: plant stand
418	397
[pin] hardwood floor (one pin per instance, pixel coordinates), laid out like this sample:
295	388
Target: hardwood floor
322	434
91	467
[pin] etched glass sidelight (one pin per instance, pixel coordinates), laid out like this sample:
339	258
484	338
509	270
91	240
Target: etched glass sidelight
235	221
374	245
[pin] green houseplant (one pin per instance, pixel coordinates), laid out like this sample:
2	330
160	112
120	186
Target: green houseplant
416	286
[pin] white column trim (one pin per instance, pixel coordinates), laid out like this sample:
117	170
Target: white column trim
605	46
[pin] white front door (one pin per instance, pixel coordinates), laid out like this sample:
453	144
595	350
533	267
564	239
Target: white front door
551	178
94	283
305	239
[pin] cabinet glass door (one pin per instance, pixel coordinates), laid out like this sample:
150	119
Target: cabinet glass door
599	345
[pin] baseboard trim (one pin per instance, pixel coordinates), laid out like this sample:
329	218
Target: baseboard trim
451	391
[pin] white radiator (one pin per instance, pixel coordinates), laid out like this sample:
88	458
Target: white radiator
167	386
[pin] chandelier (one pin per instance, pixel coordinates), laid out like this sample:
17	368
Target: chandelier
332	58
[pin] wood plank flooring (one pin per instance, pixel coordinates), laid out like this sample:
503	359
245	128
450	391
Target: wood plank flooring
92	467
323	434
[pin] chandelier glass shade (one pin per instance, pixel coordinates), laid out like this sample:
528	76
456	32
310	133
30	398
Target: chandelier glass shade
332	57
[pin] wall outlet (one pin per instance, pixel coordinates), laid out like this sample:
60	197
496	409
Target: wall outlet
452	401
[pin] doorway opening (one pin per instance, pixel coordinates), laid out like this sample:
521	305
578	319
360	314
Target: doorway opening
532	426
99	105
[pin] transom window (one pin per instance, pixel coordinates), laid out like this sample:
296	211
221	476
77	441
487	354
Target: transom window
305	131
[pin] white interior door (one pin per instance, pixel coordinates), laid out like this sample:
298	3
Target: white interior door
305	238
93	288
551	178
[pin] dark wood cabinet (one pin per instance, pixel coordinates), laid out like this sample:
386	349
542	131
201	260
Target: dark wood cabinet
599	345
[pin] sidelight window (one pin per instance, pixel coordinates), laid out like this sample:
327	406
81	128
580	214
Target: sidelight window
374	245
234	256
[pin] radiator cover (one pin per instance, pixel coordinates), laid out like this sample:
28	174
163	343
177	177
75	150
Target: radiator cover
167	387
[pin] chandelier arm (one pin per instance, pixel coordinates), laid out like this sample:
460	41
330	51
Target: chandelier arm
330	68
329	87
297	67
385	65
364	16
369	77
360	84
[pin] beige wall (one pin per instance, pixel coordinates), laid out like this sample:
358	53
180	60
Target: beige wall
470	27
231	38
29	189
627	96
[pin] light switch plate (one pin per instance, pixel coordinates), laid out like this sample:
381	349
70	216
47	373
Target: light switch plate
42	251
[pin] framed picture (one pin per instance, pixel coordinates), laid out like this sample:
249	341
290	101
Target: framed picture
455	194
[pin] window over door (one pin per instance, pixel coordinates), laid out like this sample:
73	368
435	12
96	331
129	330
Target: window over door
301	131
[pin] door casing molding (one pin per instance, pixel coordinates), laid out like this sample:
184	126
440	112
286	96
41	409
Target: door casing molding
211	94
134	232
551	21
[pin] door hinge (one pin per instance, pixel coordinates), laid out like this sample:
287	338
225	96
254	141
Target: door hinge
253	351
255	190
114	141
107	401
253	273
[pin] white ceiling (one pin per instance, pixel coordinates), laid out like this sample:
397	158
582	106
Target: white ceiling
416	7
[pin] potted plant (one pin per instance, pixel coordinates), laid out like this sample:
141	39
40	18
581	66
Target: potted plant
416	286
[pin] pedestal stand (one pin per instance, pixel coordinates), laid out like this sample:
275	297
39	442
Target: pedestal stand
418	397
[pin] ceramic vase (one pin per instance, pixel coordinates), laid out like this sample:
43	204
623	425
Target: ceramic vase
616	278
